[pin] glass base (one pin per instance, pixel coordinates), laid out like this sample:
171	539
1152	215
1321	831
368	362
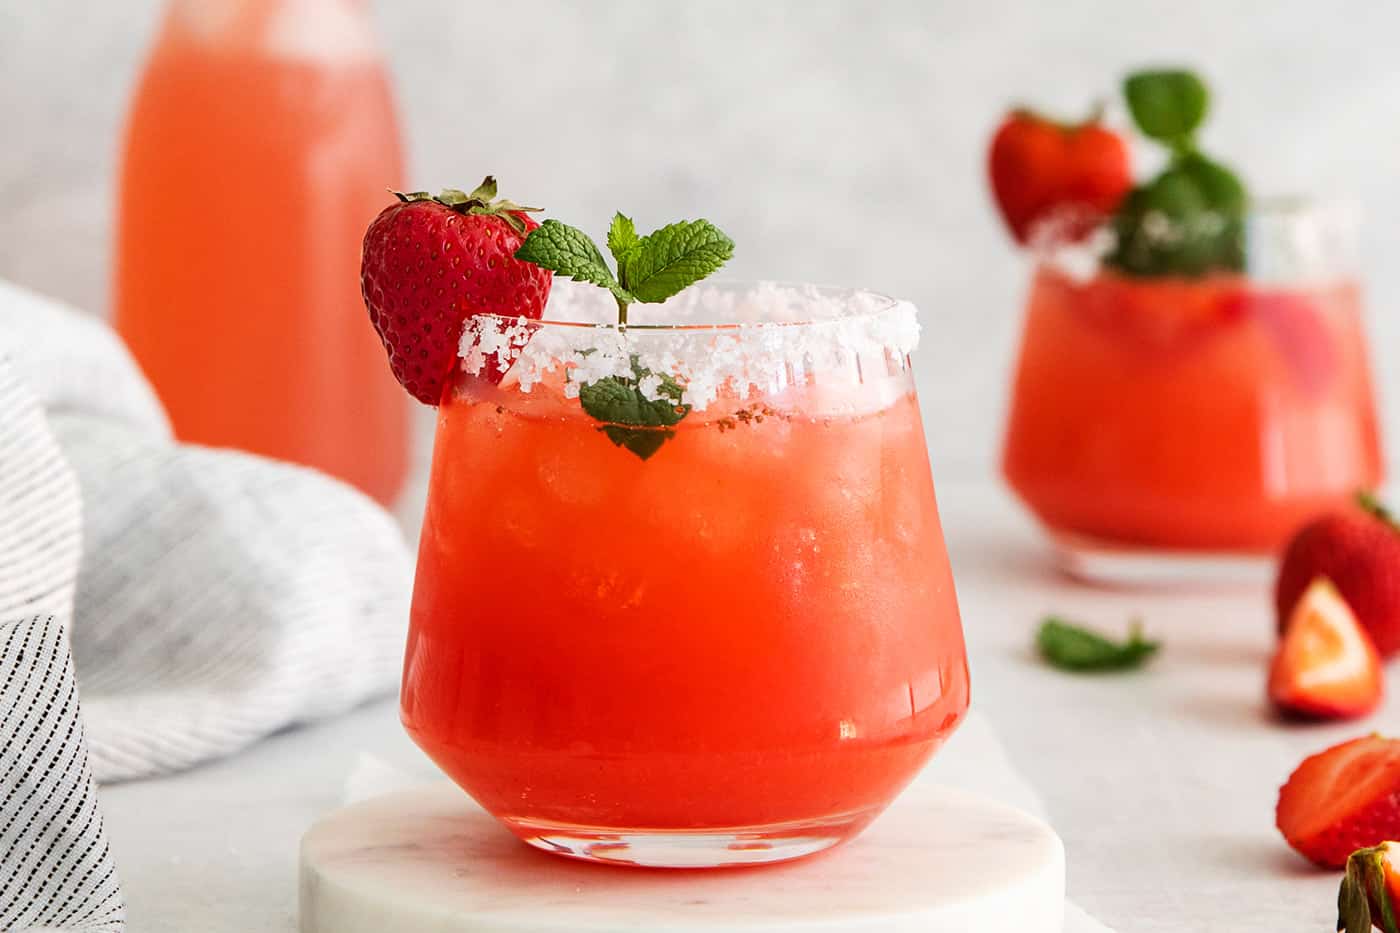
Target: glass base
1100	562
703	848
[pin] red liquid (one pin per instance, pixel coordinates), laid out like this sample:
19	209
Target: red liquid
1212	414
755	627
248	180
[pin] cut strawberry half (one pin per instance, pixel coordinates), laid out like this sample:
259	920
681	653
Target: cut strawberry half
1342	799
1326	666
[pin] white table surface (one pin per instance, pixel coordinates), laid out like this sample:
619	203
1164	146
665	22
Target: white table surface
1161	782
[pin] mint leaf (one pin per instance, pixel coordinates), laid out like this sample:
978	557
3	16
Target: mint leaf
630	419
1075	648
1167	105
1217	186
649	269
1188	221
622	237
672	258
641	441
569	252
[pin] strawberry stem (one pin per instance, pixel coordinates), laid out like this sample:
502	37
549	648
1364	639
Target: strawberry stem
1371	504
482	200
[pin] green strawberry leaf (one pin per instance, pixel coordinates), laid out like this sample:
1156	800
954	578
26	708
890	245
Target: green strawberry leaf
1167	105
630	419
1075	648
622	237
672	258
569	252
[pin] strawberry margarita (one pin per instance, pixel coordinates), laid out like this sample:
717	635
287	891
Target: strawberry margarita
1192	377
728	639
1211	414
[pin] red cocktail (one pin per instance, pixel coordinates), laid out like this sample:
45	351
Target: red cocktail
1203	415
731	640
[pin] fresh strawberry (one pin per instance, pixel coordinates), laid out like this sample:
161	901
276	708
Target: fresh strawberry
1342	799
429	263
1040	169
1359	551
1370	894
1326	667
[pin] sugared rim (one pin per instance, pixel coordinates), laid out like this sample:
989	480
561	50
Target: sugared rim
720	338
849	304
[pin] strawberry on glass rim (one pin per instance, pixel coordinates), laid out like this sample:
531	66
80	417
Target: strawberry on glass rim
429	263
1071	174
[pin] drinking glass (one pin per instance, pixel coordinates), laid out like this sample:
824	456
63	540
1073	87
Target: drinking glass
1164	427
727	641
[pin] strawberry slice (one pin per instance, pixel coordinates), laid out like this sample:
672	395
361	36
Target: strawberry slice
1342	799
1326	667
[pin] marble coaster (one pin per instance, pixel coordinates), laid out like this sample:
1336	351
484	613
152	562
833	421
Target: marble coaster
429	860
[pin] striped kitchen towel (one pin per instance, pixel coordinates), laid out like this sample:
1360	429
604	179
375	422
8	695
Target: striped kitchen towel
209	598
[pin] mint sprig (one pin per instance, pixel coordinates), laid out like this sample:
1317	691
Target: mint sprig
1189	220
650	269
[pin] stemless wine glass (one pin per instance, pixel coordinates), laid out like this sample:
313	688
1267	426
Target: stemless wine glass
1165	426
728	641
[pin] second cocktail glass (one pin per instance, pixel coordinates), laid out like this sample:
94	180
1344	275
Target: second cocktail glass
1160	423
728	641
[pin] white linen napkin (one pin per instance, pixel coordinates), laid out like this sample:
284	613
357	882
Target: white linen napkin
220	597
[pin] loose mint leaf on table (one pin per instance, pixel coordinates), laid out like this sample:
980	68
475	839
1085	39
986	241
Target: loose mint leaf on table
1167	105
1072	647
650	269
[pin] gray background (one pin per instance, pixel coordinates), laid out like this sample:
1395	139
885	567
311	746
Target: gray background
838	142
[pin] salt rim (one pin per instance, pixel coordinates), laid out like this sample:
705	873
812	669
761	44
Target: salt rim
1288	240
710	338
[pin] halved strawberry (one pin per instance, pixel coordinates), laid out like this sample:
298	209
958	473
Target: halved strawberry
1342	799
1326	666
429	263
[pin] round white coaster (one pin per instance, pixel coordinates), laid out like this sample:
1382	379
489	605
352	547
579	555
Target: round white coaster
430	860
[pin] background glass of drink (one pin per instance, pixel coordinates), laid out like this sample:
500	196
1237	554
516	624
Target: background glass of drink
260	141
1162	426
736	650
